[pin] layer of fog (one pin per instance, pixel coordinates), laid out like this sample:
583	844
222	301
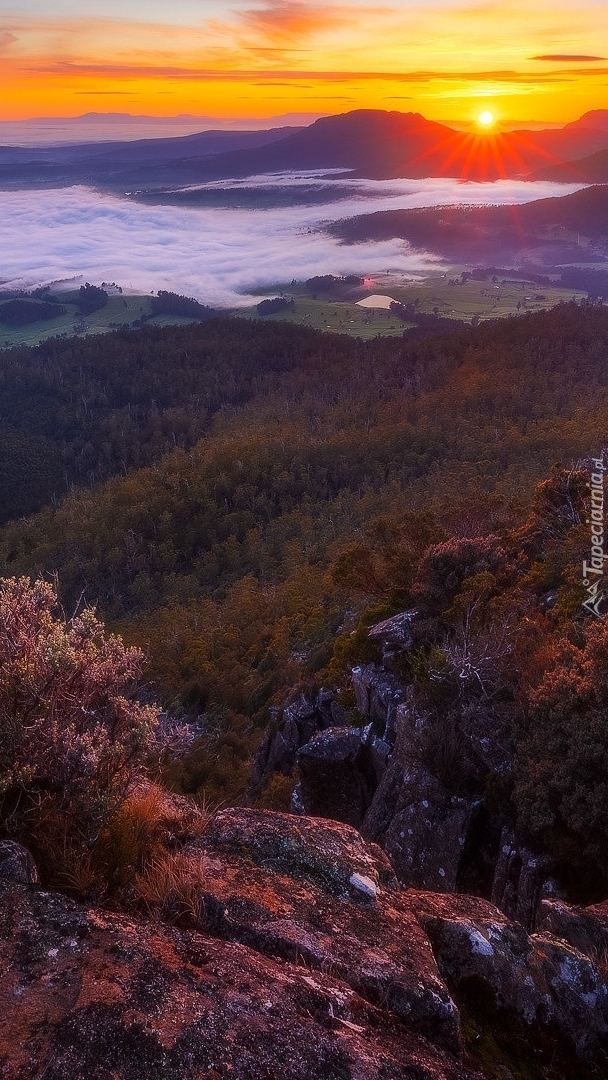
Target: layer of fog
216	254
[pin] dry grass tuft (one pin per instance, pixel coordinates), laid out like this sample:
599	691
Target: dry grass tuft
78	873
170	887
135	861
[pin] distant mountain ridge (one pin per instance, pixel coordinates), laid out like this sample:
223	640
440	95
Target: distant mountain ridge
366	143
386	145
112	152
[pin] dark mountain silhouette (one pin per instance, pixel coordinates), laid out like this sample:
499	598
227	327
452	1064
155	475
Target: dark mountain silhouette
166	149
104	160
384	145
366	143
595	118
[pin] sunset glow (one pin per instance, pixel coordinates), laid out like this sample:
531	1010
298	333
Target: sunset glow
537	62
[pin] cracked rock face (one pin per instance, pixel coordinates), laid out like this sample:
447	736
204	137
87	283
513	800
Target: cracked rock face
538	978
322	894
339	774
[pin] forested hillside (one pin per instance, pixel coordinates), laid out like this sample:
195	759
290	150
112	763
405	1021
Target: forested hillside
77	411
225	557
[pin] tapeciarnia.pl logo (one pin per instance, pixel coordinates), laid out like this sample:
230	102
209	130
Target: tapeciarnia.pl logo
593	571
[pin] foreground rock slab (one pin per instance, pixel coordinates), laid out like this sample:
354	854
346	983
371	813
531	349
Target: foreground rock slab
314	890
88	995
296	956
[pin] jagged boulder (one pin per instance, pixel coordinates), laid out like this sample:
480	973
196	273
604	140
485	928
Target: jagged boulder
339	771
351	775
586	929
324	853
421	825
532	980
427	835
293	727
315	890
394	635
521	879
378	693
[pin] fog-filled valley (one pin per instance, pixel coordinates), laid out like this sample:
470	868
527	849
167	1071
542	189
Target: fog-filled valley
219	254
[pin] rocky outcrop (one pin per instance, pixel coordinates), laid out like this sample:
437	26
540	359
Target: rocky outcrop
299	957
296	966
384	788
416	789
421	825
383	785
91	994
339	772
378	693
321	894
323	853
292	727
426	836
521	879
394	635
536	980
586	929
16	863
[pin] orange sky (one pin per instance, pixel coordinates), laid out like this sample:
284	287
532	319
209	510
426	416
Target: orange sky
448	59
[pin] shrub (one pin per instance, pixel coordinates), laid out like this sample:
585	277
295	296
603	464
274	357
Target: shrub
561	781
71	735
91	298
169	303
274	306
446	566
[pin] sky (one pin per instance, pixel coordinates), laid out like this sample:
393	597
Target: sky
521	60
217	255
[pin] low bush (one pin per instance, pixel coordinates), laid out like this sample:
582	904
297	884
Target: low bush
73	736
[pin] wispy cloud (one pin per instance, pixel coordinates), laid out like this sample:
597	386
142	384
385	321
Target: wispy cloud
7	38
290	75
210	56
567	58
287	21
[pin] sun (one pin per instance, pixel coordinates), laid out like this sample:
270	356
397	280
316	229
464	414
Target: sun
485	119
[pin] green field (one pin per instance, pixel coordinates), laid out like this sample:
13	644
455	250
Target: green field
444	295
121	311
338	316
447	295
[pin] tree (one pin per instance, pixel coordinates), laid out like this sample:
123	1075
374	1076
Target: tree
71	733
173	304
91	298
